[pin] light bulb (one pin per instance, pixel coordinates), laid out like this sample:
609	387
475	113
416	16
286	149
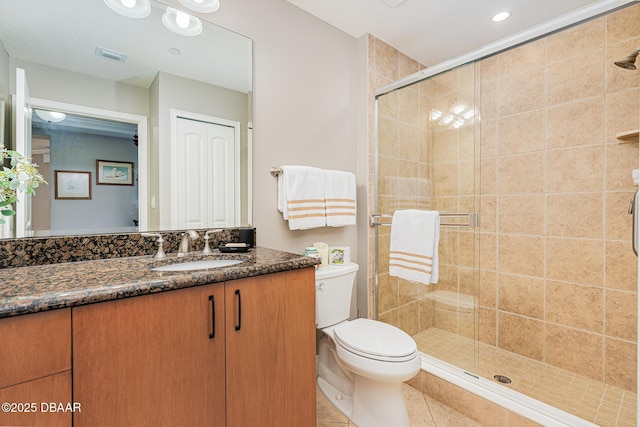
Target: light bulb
181	23
182	19
499	17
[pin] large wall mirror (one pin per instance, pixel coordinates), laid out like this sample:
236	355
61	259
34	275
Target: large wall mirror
161	120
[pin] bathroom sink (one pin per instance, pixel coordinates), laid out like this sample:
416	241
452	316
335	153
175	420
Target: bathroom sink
199	265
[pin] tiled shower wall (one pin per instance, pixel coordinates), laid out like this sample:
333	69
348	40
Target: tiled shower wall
557	275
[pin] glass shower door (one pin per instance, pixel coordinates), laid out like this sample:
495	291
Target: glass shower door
426	159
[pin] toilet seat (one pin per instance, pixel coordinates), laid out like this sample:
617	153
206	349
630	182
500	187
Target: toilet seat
375	340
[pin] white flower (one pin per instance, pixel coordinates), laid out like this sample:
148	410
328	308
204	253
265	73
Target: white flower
23	176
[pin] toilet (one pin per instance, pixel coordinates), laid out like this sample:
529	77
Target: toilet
362	363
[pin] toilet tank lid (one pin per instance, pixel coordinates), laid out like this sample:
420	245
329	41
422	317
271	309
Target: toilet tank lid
333	270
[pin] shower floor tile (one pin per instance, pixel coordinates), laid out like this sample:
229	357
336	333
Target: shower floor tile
589	399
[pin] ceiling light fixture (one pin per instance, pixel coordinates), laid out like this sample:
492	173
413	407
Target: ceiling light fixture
130	8
181	23
51	116
499	17
202	6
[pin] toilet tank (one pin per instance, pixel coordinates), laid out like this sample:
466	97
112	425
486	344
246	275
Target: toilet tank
334	287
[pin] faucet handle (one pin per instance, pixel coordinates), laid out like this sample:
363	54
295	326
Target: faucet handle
160	254
207	249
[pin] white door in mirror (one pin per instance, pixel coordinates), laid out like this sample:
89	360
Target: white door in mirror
205	171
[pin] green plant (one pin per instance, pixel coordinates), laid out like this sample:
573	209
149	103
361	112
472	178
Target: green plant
21	176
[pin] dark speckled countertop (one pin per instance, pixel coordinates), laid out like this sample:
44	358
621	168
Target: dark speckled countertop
45	287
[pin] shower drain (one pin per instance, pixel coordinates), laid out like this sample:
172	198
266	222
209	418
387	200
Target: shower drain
502	379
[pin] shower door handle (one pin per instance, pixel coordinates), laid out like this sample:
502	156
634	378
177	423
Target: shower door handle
635	211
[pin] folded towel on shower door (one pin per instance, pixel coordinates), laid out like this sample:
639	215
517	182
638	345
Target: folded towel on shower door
301	197
415	235
340	196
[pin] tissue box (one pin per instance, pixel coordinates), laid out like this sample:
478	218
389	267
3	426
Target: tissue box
339	255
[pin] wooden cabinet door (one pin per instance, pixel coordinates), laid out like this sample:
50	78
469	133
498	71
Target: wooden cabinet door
35	369
150	361
34	345
31	402
271	350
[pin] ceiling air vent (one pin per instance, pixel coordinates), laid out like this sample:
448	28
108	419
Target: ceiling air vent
111	54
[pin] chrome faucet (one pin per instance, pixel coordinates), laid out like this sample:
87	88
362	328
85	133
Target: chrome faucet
185	244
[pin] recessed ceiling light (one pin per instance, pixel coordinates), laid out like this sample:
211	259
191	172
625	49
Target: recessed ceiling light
499	17
51	116
181	23
130	8
203	6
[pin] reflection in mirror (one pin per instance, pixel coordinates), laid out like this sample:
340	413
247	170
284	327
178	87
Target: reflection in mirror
81	54
72	143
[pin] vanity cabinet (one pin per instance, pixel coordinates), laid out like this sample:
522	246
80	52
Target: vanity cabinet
150	361
239	353
36	369
271	349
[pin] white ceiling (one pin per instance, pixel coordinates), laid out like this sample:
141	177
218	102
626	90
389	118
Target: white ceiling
432	31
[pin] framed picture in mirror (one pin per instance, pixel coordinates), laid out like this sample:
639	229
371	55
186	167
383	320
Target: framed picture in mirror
72	185
110	172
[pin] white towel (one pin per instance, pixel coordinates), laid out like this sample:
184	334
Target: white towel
301	197
415	235
340	196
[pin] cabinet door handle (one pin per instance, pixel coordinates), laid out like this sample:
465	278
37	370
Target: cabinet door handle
239	324
212	334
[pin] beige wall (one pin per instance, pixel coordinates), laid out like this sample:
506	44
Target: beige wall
81	89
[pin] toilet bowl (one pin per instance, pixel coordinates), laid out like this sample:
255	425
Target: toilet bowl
362	363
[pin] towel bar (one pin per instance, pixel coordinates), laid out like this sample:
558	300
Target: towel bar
473	219
275	171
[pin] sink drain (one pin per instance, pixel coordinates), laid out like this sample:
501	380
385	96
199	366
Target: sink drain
502	379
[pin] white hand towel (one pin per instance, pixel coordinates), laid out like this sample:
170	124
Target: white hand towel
415	235
340	196
301	197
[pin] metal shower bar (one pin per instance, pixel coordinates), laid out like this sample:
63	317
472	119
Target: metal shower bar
473	219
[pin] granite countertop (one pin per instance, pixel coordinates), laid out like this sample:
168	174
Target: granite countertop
38	288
